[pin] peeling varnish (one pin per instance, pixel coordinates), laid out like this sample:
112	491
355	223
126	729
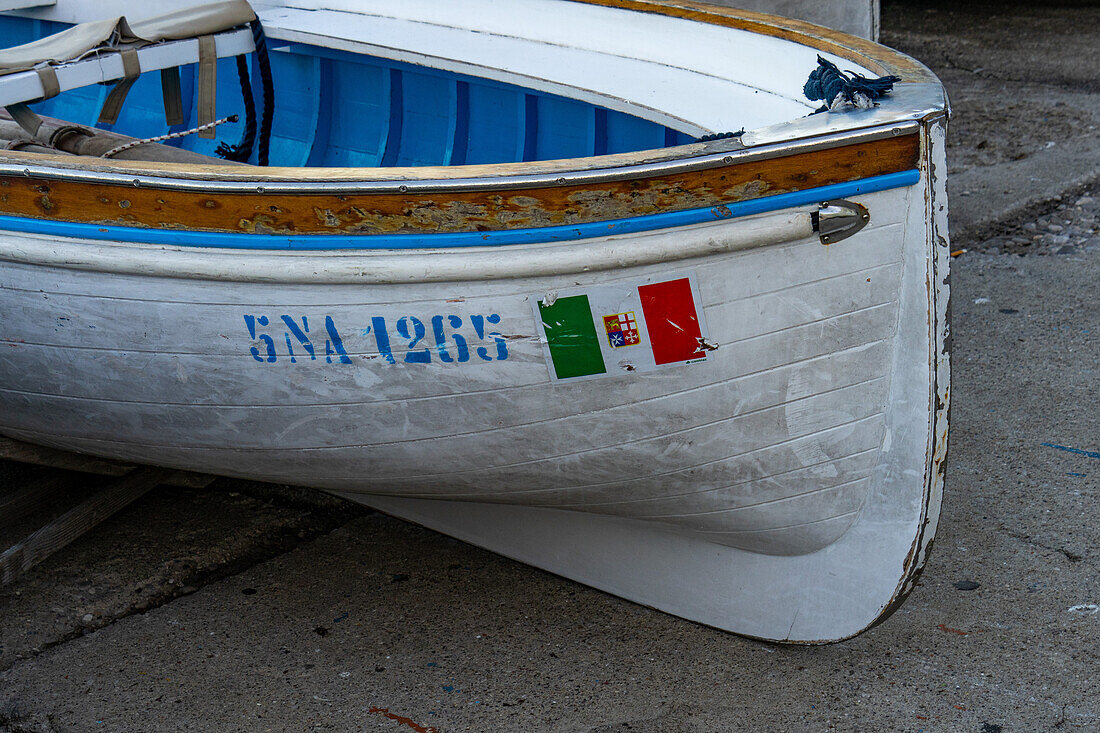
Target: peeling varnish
939	259
471	211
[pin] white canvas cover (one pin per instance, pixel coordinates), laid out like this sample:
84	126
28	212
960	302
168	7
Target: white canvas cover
112	33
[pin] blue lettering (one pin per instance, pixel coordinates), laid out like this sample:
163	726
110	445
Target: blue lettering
462	350
502	345
381	338
450	344
250	323
300	334
479	328
422	356
334	344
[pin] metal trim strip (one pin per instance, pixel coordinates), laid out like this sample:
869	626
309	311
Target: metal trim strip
725	157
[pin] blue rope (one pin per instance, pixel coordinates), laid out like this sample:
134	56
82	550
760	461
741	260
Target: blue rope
268	91
828	83
243	150
720	136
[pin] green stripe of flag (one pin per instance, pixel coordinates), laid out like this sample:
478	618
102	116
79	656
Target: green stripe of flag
571	333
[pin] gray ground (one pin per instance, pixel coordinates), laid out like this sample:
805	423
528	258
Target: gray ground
250	607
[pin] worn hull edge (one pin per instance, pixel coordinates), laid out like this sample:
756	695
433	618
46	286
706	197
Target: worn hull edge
936	211
61	196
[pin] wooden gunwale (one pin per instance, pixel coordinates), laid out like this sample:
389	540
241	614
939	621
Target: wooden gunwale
873	56
470	211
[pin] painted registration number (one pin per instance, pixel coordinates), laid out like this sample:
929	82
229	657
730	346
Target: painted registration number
447	339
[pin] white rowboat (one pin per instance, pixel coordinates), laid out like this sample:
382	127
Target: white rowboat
491	283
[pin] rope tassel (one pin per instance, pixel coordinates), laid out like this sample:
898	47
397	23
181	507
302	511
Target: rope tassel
242	150
837	88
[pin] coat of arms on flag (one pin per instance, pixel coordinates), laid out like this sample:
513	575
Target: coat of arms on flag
622	329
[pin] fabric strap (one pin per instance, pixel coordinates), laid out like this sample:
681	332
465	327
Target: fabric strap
27	119
131	70
173	96
22	114
48	77
207	85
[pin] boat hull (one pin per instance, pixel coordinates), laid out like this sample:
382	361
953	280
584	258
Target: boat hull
793	457
546	300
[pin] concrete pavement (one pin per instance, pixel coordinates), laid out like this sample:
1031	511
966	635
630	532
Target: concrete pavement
1024	85
250	607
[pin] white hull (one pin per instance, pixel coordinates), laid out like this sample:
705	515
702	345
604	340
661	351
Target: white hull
780	478
795	440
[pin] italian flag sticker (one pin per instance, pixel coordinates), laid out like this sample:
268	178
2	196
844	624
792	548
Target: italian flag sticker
619	329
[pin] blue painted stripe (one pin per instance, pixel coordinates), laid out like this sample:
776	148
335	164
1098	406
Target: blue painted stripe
1078	451
460	239
530	126
599	133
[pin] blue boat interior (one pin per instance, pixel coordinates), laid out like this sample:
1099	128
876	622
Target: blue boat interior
334	108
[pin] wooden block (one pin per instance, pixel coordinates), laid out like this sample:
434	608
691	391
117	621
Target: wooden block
71	525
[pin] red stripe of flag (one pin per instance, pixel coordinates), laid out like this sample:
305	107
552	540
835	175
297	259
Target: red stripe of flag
672	321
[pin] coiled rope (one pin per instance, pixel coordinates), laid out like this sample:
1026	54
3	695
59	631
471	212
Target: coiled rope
839	89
